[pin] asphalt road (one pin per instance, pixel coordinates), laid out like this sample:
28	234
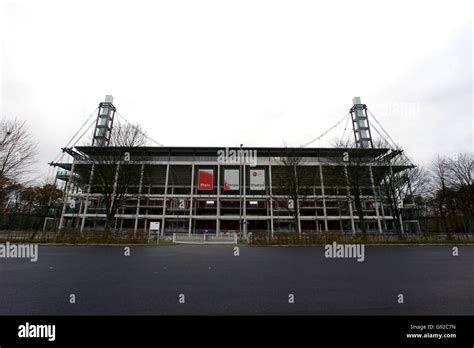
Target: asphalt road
259	281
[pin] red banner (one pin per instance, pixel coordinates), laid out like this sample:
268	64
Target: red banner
205	179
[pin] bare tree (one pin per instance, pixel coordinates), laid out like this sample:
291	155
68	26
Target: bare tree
460	179
35	203
128	135
7	188
452	195
398	179
17	152
460	170
114	171
295	181
441	194
355	170
400	182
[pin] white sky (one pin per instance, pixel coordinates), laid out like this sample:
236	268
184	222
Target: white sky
222	73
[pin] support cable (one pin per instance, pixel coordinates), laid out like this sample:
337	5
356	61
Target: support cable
87	129
405	160
326	132
70	140
383	129
378	132
345	127
144	133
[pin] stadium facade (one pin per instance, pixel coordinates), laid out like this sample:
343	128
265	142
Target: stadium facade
219	190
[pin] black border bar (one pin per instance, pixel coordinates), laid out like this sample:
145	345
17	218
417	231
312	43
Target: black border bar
288	330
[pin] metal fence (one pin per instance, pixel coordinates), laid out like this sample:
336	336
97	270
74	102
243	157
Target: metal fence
369	238
204	238
73	236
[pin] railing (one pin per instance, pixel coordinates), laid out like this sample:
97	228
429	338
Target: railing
204	238
254	237
73	236
319	238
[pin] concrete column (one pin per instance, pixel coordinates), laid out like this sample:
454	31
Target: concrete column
138	199
146	210
241	184
271	197
382	209
164	200
218	203
349	199
324	198
79	212
66	195
86	203
297	204
114	192
402	229
244	199
117	169
375	199
191	200
50	200
316	221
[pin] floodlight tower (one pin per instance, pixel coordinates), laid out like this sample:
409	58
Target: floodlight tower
104	123
360	124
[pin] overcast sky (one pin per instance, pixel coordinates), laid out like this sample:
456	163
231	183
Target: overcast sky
222	73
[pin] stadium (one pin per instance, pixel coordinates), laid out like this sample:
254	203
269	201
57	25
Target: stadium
221	191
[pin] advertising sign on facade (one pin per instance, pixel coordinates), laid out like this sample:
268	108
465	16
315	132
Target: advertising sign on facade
257	179
231	179
205	179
